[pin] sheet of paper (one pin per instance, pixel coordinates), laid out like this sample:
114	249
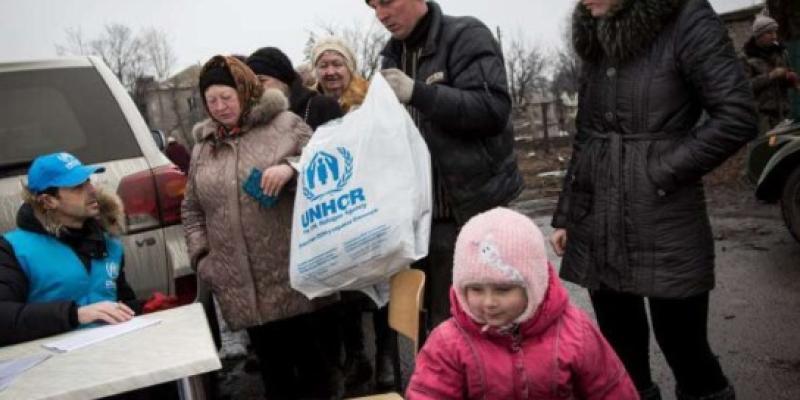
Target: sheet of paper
11	369
90	336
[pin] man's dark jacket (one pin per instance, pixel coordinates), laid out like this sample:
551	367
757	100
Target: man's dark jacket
463	109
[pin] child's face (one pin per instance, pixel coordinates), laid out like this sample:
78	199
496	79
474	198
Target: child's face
496	304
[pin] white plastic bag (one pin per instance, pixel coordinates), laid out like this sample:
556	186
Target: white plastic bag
363	205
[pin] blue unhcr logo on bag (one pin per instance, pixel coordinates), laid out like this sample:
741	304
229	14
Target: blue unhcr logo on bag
327	173
324	181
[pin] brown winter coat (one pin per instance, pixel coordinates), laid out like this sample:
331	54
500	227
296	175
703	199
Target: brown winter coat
772	95
237	246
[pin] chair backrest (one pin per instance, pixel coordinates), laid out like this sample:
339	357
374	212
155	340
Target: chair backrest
405	303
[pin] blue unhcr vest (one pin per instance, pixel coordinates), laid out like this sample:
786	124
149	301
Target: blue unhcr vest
55	273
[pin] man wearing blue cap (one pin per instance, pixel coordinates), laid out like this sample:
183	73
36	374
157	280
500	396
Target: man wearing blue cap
62	267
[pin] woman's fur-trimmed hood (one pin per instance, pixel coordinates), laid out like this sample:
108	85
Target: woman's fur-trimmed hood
271	103
628	29
111	218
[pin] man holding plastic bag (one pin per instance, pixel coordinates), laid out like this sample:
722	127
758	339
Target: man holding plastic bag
449	71
363	204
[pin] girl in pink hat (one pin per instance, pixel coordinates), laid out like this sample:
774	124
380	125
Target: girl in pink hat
513	333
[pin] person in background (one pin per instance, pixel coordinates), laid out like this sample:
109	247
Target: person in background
63	267
663	102
178	154
514	333
767	66
274	70
336	73
238	239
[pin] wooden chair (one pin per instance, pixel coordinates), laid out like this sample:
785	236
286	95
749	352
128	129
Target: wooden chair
405	303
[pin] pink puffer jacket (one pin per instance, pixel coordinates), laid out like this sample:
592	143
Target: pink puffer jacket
558	354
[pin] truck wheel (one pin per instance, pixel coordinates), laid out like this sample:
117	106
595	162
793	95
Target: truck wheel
790	203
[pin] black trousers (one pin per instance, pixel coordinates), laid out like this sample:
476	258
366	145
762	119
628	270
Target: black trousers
297	356
680	328
438	268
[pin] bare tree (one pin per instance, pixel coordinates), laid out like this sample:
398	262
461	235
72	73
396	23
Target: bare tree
566	80
159	54
526	66
567	65
119	48
75	43
123	52
366	42
567	71
161	60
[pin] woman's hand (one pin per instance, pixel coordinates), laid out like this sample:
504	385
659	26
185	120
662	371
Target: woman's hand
106	311
274	178
558	239
778	73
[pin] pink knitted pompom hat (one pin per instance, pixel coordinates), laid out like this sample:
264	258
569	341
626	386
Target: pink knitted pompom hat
501	246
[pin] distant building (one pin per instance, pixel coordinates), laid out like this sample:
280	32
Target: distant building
529	121
740	24
173	106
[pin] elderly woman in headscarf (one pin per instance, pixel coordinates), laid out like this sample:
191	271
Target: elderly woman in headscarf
632	221
239	239
336	73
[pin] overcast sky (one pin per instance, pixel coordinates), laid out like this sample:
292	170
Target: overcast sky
198	29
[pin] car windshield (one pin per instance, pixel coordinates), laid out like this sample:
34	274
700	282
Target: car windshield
68	109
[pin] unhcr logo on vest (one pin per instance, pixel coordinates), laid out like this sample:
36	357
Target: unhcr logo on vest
326	175
112	272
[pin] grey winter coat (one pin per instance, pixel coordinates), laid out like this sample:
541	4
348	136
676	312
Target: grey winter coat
633	201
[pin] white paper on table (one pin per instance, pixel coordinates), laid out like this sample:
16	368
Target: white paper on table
11	369
94	335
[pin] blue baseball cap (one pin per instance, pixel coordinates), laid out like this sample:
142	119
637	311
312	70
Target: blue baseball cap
58	170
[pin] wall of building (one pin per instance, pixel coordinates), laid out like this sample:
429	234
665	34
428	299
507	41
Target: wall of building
175	111
740	24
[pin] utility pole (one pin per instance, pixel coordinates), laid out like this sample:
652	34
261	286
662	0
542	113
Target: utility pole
500	40
545	127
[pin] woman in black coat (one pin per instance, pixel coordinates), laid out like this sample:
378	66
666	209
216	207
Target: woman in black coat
663	101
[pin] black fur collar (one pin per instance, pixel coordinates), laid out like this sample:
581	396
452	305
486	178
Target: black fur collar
628	30
752	50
